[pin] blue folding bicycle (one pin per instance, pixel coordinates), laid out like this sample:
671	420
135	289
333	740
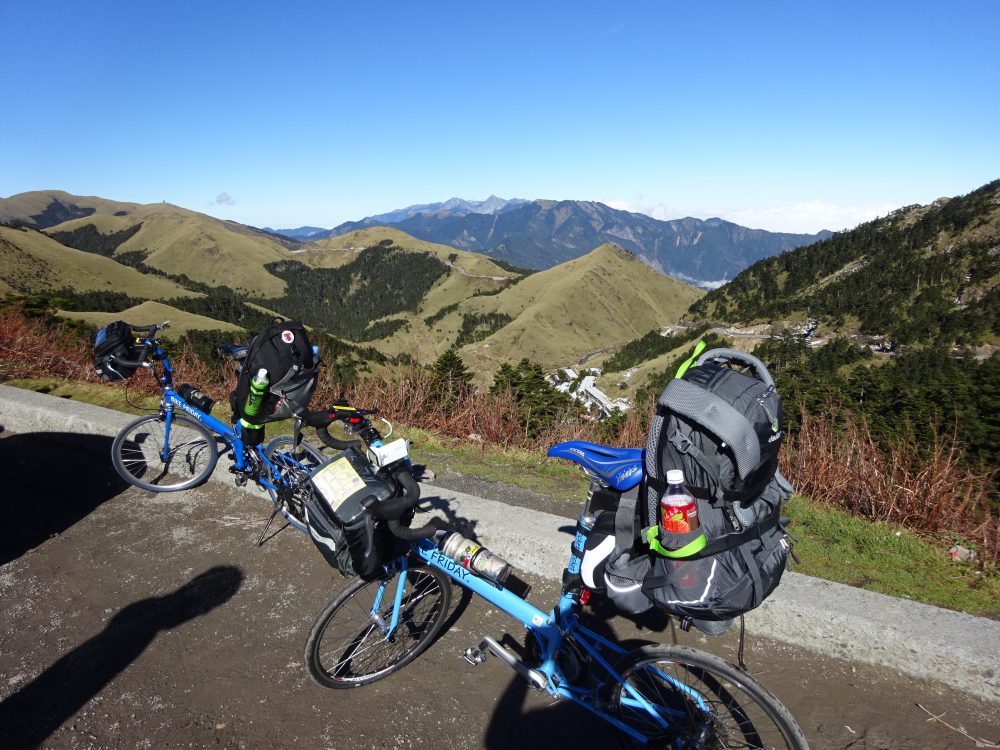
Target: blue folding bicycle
655	695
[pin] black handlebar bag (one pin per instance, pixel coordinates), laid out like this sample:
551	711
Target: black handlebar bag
339	517
114	342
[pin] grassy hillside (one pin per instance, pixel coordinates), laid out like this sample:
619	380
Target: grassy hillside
340	250
32	262
468	274
605	298
44	208
181	242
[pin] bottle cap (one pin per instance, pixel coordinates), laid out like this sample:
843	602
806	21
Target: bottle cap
675	476
262	373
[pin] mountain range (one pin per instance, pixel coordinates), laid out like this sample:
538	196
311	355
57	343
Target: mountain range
378	287
922	273
540	234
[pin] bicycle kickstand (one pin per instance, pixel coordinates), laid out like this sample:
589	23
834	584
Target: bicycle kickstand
260	539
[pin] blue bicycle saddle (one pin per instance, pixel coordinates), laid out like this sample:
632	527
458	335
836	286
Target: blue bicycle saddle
236	351
621	468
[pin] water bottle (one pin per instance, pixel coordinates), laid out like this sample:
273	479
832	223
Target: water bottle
258	387
475	558
678	509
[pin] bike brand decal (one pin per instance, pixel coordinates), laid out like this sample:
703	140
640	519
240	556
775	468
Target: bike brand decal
190	410
287	336
448	565
537	621
626	474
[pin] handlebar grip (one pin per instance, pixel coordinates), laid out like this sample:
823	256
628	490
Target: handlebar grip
129	362
321	418
329	440
394	508
423	532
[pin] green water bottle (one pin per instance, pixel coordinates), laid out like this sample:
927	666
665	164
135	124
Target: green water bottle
258	387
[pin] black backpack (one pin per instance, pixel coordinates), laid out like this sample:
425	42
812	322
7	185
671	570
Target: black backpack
284	350
114	341
723	427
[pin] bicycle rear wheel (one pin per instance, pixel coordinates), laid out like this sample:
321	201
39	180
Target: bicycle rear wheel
146	455
705	702
347	646
294	465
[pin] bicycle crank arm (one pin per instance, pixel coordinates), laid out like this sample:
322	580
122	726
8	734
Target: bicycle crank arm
478	654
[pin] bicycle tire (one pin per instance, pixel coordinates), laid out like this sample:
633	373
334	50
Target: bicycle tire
707	702
306	455
137	453
333	656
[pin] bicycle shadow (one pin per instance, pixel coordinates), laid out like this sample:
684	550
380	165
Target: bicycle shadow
52	480
30	715
514	724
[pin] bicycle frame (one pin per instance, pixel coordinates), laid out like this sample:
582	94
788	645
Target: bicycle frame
549	629
172	401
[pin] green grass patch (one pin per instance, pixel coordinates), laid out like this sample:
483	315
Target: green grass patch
878	557
108	396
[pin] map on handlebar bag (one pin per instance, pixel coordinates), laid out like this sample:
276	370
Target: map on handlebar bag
337	481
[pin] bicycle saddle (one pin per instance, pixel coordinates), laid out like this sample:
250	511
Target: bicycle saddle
621	468
236	351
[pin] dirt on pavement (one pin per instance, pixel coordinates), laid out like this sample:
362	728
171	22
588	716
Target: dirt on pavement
133	620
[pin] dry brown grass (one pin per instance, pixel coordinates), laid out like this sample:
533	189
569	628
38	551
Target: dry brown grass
28	348
834	459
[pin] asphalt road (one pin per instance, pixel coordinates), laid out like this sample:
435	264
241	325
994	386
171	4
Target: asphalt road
138	620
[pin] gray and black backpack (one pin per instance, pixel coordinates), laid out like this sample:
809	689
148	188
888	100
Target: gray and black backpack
720	422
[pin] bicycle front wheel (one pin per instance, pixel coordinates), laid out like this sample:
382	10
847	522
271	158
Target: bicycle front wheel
294	464
699	701
348	645
152	457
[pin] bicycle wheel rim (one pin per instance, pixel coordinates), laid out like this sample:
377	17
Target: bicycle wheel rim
706	703
145	456
293	466
346	647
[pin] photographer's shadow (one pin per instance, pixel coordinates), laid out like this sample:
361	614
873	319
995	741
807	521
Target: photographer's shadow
32	713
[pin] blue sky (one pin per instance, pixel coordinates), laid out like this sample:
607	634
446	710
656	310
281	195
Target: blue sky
785	116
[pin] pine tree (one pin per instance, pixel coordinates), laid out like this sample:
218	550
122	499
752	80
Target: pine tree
450	379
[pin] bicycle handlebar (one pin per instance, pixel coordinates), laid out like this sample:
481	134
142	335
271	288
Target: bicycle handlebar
392	510
129	362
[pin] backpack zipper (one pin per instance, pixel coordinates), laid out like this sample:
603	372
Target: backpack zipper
762	400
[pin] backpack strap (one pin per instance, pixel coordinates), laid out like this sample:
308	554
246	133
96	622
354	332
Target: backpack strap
625	519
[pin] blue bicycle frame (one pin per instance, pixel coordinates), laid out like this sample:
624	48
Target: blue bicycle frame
549	630
232	437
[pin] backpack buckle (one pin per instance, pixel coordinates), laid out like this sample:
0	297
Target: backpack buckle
681	442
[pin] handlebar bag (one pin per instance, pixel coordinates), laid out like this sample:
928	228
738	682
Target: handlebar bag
114	342
339	518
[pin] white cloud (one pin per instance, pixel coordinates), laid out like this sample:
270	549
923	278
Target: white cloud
807	216
803	217
224	199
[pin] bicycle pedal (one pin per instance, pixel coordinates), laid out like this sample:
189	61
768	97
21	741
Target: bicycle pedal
474	655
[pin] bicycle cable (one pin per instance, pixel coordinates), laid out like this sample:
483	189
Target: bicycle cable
138	407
